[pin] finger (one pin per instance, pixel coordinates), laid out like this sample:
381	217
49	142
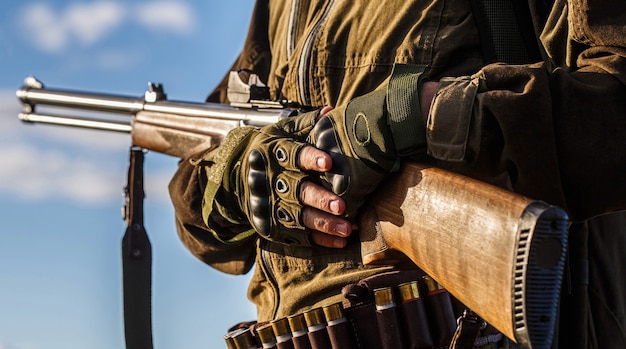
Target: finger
326	240
324	111
326	223
313	159
316	196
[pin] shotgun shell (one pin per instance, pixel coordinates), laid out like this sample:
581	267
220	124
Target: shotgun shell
266	336
315	319
338	327
409	291
383	298
441	307
230	342
334	313
432	285
387	319
244	340
281	330
297	325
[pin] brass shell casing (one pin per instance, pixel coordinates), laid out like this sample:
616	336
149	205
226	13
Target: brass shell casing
244	340
333	312
297	323
409	291
281	327
266	334
383	296
314	317
432	285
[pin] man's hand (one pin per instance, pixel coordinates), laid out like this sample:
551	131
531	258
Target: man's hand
297	182
267	177
322	208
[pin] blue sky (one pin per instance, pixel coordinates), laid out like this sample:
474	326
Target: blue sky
61	188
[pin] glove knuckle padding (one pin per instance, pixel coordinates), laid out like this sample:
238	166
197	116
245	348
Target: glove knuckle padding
288	208
286	154
339	176
287	186
271	181
258	193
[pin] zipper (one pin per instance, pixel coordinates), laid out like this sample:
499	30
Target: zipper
271	278
304	76
293	27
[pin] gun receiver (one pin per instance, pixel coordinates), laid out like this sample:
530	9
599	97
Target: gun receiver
499	253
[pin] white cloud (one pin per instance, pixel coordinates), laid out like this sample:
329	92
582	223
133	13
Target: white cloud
88	23
85	22
22	344
34	174
43	28
166	15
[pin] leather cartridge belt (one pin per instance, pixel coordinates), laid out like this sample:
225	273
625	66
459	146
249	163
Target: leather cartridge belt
395	310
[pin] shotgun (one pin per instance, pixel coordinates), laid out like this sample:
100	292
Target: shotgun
499	253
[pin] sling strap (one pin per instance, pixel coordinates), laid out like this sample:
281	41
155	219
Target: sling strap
136	261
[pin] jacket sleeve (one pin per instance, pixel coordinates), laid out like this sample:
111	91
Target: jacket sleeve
558	133
218	242
225	243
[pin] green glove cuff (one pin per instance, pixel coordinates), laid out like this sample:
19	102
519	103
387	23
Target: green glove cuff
367	132
404	111
218	176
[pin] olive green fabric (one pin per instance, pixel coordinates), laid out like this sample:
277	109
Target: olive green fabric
206	239
351	137
288	280
255	178
404	111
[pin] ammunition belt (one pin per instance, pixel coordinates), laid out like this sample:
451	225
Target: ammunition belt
396	310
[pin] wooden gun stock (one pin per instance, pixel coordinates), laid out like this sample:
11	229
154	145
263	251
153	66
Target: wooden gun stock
500	254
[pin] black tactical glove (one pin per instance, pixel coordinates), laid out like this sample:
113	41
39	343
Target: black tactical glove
368	137
255	178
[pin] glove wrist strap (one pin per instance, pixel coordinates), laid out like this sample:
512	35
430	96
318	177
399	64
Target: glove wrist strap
403	109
